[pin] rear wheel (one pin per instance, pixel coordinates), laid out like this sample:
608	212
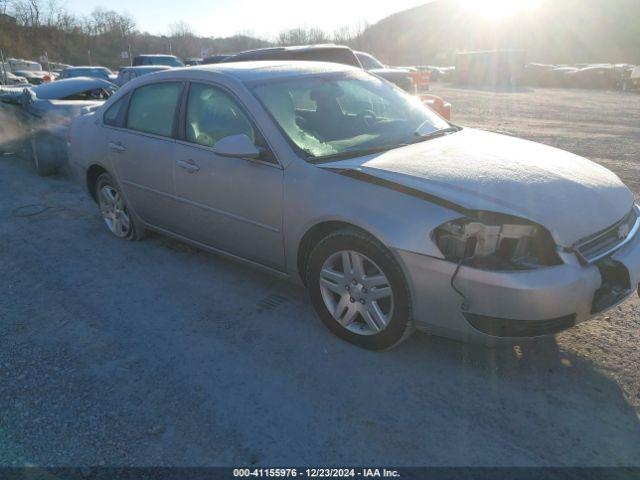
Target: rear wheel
359	290
115	212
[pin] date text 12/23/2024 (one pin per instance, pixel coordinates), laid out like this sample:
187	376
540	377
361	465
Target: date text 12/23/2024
315	473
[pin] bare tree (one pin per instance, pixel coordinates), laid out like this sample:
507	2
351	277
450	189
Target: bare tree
180	29
102	22
28	12
302	36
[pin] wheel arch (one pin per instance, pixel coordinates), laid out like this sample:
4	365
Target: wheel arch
316	233
93	172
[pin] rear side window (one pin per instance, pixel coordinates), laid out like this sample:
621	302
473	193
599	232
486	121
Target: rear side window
152	108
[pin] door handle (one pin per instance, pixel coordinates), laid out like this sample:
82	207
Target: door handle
189	165
118	147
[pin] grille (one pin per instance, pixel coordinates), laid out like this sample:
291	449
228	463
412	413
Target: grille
606	242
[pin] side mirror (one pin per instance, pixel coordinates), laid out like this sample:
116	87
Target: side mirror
237	146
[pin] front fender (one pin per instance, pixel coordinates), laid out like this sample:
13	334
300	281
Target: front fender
398	220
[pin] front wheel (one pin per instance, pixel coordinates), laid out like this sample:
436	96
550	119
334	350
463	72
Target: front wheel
359	290
115	212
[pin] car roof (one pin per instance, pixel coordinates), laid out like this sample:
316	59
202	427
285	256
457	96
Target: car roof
156	55
269	70
269	51
147	67
299	48
85	67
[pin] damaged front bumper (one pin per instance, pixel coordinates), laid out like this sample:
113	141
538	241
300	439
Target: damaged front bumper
491	307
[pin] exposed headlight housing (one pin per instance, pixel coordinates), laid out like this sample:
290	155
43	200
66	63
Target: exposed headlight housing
496	242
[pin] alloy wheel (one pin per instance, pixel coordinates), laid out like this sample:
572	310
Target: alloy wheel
356	292
114	211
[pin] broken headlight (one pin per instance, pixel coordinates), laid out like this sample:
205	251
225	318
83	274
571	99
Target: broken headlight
496	242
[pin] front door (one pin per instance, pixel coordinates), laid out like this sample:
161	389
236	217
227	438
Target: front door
232	204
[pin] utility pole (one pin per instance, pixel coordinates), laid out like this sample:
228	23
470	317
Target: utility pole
4	68
126	39
90	62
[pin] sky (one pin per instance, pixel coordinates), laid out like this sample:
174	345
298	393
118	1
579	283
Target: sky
220	18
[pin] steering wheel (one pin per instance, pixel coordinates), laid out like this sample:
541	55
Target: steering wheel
367	118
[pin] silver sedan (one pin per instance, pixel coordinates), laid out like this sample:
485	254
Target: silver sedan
393	218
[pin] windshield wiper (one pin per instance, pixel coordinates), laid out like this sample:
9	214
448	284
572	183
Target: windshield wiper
354	153
434	134
368	151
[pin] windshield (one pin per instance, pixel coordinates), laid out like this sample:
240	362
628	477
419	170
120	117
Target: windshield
346	114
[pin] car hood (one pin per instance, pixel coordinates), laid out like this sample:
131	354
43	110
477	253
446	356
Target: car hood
569	195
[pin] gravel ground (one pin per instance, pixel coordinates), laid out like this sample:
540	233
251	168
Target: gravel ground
155	353
603	127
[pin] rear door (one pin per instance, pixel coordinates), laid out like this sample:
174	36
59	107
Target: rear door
232	204
142	146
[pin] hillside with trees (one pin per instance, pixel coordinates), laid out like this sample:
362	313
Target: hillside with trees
29	28
567	31
558	31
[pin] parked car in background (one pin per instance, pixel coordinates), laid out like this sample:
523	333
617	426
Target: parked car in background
12	79
405	78
595	76
633	79
315	53
44	113
438	74
156	59
190	62
126	74
536	73
90	72
57	67
34	77
215	59
21	64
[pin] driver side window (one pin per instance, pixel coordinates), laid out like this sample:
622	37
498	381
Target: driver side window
213	115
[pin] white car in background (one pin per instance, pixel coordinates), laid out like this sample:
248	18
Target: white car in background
42	115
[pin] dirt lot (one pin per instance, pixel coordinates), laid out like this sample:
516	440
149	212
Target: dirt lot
603	127
154	353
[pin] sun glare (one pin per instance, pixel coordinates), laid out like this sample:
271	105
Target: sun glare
497	9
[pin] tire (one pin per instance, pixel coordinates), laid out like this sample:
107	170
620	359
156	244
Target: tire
332	287
42	155
117	215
